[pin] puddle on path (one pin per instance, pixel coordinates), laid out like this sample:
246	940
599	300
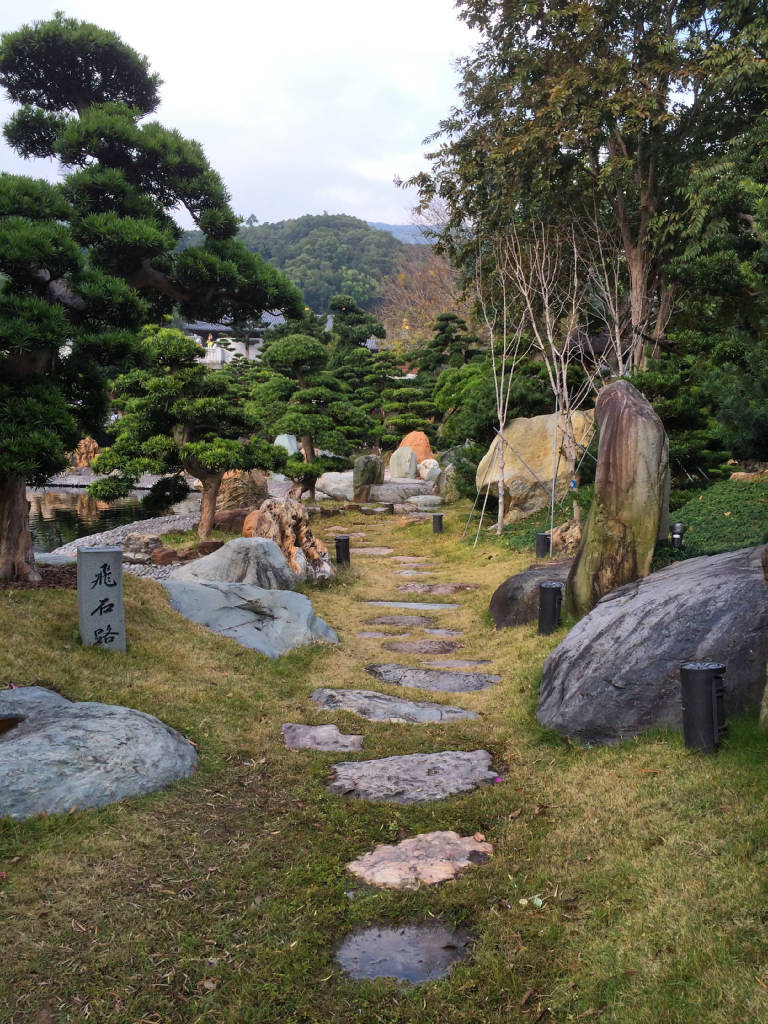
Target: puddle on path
415	952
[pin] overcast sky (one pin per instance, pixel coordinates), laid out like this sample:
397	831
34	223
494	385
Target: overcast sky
302	106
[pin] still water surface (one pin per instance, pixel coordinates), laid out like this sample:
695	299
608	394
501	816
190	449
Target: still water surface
58	516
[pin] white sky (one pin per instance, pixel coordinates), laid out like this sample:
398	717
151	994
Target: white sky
301	106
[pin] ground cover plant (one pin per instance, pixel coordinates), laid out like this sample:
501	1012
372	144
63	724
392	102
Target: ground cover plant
628	883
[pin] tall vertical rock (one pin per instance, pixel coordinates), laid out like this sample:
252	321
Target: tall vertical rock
623	522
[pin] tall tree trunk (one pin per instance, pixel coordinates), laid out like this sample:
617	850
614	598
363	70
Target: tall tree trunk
17	559
500	460
307	447
211	483
639	304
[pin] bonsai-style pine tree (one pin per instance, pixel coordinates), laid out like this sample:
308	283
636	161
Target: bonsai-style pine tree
86	262
352	327
178	415
299	395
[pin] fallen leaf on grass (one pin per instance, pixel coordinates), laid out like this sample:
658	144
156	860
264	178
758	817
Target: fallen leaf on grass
209	984
529	992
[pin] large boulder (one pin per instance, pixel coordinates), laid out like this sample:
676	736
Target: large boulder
243	489
516	601
446	484
58	755
623	522
617	673
286	522
138	547
528	463
429	469
367	470
403	465
254	560
398	490
340	486
419	444
270	621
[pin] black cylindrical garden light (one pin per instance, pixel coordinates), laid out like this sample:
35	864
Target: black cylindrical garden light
437	522
550	603
542	545
676	532
342	550
702	695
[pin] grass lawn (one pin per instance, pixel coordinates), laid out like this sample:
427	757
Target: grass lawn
222	899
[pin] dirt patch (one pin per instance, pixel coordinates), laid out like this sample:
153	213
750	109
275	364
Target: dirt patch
52	577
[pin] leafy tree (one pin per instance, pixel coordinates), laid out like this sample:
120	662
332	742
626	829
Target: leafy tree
739	391
298	395
570	111
177	415
86	262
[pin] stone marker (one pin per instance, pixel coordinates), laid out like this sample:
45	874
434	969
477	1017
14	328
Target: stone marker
64	754
319	737
413	778
432	679
381	707
425	859
100	606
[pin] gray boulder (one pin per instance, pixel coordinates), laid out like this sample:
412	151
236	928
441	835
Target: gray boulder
367	469
617	673
403	463
398	490
337	485
288	442
425	502
269	621
62	755
516	601
253	560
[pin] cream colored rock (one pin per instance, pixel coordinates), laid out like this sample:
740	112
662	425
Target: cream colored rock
424	860
528	463
429	469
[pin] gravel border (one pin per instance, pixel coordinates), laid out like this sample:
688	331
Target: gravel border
111	538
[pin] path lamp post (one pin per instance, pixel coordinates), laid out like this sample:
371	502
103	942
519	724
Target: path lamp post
437	522
342	550
702	696
542	545
550	604
676	532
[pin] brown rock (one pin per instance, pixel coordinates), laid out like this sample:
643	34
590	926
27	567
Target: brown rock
240	489
231	519
528	464
207	547
516	601
566	538
164	556
287	524
623	523
418	442
85	453
138	548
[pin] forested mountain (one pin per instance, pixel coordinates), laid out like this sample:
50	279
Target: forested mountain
411	234
324	255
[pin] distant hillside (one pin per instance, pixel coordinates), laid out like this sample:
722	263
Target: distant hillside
324	255
411	234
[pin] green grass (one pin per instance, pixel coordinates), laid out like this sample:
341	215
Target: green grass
221	900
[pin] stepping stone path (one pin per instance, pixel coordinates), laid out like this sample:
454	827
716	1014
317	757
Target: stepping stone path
381	707
402	620
445	681
439	589
319	737
412	952
425	859
413	778
426	646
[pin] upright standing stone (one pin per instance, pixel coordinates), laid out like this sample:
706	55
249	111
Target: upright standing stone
623	522
100	604
403	465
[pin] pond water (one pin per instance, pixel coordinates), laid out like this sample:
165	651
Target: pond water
62	514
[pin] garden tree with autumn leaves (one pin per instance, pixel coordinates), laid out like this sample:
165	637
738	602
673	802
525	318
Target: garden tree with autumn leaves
87	262
610	118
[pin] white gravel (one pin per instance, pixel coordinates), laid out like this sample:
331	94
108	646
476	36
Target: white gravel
162	524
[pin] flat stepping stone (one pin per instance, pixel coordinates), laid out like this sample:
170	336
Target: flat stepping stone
376	634
381	707
425	859
413	778
412	572
439	589
444	680
371	551
425	646
445	632
414	952
427	606
319	737
402	620
457	663
412	559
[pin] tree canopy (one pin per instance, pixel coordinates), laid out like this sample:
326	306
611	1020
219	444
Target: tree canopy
86	262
